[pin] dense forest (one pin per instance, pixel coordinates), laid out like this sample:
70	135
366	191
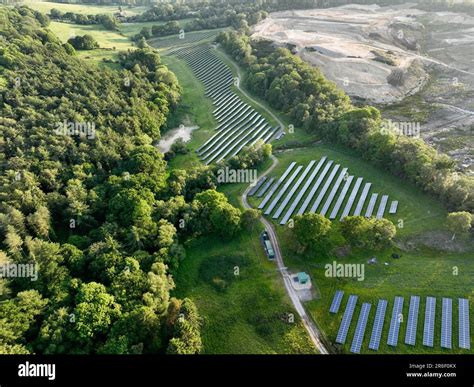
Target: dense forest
88	200
294	87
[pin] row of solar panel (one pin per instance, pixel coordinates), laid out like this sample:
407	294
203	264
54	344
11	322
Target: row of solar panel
335	180
397	319
240	125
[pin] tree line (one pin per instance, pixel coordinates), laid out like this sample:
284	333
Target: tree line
312	102
109	22
227	18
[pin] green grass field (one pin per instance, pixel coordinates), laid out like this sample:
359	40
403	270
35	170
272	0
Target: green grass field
105	38
110	42
247	313
85	9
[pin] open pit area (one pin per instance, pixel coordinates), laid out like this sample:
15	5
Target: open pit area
416	66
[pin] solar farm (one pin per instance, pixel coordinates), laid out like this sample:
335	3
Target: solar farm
397	319
321	187
240	125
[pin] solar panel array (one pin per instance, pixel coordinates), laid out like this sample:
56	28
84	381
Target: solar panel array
446	323
346	320
382	205
267	198
371	206
397	319
336	302
393	207
303	190
265	187
360	329
288	197
257	186
395	322
319	187
428	331
240	125
464	336
410	335
350	201
378	325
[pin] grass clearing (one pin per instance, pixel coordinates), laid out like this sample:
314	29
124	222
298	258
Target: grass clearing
242	314
84	9
105	38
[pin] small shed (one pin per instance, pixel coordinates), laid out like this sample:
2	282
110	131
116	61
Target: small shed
303	278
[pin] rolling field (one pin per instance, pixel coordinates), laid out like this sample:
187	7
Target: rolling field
105	38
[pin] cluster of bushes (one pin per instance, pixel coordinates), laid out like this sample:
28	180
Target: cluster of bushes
251	156
312	102
178	148
85	42
316	234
